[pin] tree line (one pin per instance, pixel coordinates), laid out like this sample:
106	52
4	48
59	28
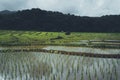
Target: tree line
41	20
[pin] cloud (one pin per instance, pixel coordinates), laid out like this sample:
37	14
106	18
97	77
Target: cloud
12	4
77	7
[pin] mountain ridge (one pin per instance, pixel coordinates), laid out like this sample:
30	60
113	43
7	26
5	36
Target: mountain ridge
41	20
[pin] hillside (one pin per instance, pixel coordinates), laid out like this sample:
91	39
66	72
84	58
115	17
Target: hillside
41	20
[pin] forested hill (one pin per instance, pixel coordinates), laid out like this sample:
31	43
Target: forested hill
37	19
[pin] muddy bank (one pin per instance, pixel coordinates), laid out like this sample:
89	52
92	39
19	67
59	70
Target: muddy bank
67	52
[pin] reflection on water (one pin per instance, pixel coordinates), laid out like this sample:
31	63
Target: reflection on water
22	66
84	49
67	67
46	66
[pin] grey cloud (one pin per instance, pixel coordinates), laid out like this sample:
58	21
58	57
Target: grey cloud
77	7
12	4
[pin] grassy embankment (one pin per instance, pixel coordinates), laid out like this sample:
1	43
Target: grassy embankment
27	38
21	66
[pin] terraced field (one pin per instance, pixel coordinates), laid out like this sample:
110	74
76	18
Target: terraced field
28	38
32	55
47	66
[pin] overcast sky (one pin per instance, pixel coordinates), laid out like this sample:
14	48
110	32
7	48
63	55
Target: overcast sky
77	7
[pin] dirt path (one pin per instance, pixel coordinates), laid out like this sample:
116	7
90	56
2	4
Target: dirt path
96	55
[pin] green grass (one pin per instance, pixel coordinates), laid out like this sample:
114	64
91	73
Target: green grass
11	37
33	65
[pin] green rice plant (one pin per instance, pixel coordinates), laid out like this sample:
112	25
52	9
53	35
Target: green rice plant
48	66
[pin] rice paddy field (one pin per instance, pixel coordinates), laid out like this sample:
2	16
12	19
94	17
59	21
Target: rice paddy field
35	65
47	66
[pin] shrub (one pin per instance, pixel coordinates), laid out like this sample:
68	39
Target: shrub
67	33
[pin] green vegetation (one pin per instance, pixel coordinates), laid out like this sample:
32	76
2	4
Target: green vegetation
15	66
46	66
27	64
23	38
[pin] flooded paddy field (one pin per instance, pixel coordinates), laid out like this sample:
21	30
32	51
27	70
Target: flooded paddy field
48	66
38	65
84	49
